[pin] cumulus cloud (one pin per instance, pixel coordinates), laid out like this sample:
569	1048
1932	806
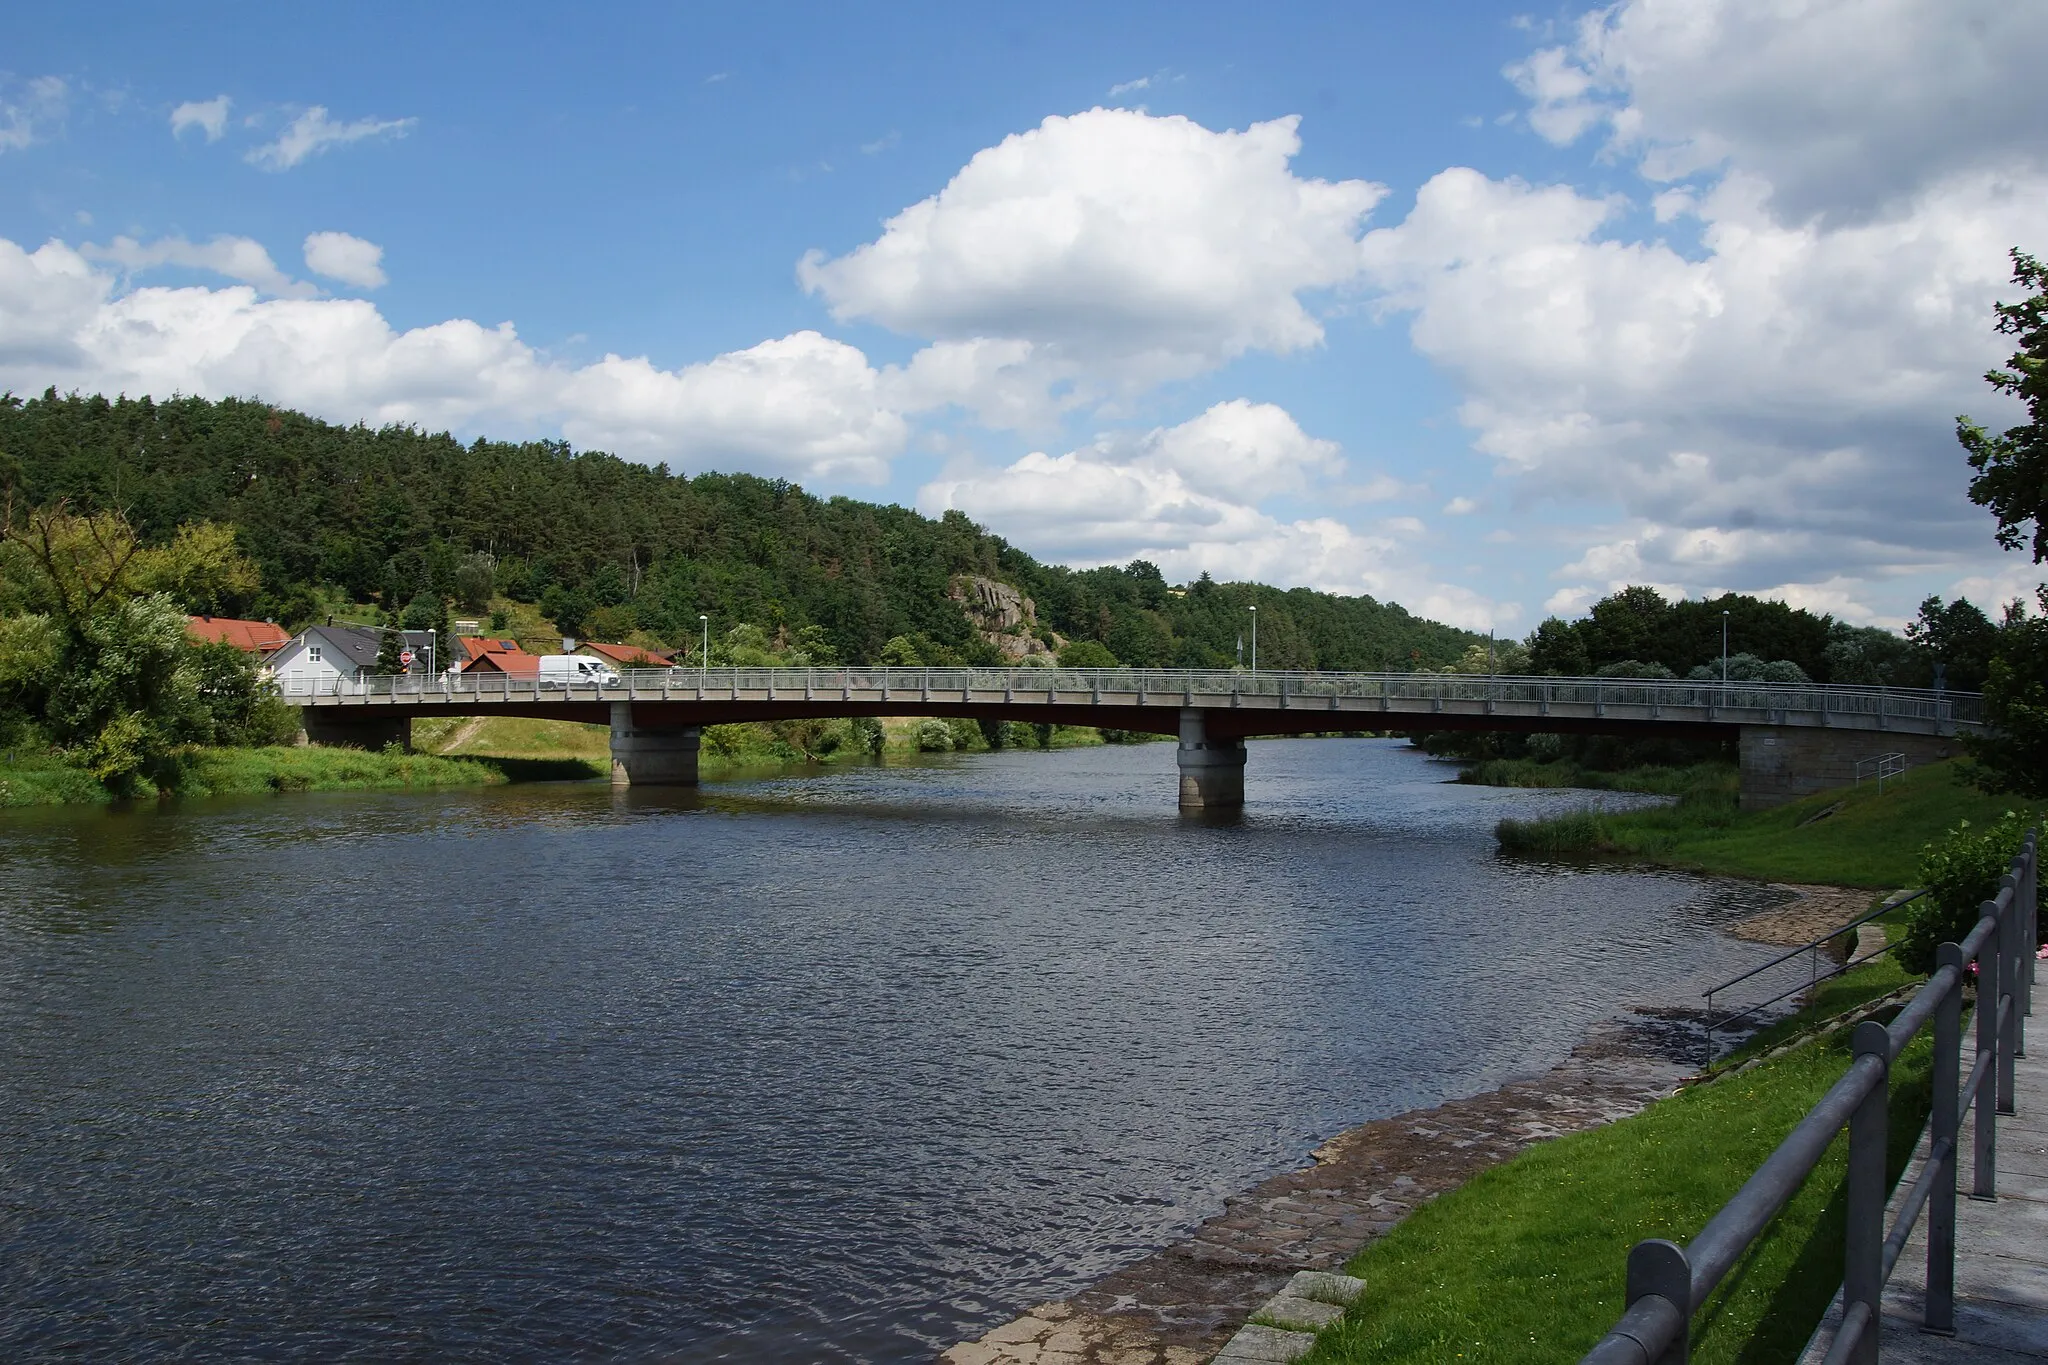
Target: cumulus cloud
312	133
802	406
209	116
1186	498
1102	253
338	256
1844	107
237	258
1773	405
26	110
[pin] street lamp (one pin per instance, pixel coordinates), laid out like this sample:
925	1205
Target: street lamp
1255	637
1724	650
704	657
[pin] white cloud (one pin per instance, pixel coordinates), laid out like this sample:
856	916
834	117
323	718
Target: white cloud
1105	252
26	111
1460	507
209	116
802	406
1185	498
338	256
313	132
237	258
1126	87
1844	107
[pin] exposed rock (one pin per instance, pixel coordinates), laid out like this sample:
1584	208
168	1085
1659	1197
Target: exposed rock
1005	617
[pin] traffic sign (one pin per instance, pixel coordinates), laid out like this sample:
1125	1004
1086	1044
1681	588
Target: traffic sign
405	657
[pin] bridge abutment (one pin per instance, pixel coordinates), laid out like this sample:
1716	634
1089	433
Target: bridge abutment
652	756
1211	770
1782	763
346	727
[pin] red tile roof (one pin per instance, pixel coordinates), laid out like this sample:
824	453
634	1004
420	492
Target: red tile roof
511	661
257	637
632	656
476	646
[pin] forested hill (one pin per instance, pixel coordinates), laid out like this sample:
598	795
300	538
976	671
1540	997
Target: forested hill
609	548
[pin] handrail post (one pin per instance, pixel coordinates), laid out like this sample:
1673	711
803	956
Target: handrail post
1939	1313
2008	940
1863	1252
1985	1183
1659	1268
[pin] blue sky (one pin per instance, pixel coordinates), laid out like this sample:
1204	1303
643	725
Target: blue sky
1481	310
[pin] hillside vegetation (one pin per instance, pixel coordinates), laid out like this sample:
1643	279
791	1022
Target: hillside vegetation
606	549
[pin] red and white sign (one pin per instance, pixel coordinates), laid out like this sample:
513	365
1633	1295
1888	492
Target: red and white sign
405	657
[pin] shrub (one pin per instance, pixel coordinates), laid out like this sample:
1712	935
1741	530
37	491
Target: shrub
934	736
1960	874
1087	654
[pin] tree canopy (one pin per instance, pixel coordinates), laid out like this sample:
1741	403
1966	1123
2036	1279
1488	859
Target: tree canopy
2012	469
606	548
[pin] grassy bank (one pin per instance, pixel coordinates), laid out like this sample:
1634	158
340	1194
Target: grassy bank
528	749
1560	773
1524	1263
1851	837
46	781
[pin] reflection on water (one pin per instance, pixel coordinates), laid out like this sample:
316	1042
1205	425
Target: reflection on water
840	1067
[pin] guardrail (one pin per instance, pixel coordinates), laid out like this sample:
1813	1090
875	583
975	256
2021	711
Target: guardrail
1814	976
1668	1283
1771	702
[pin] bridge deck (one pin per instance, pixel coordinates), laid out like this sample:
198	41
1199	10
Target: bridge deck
1137	699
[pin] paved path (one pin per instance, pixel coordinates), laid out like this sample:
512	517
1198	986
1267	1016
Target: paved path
2001	1246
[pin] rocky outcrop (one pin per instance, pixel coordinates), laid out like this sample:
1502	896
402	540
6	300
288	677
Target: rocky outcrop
1005	617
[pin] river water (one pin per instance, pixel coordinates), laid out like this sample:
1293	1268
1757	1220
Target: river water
836	1067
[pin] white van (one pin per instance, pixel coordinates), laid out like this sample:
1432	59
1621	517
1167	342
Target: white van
564	670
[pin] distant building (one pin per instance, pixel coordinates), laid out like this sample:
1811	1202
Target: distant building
475	647
346	653
254	637
513	663
628	656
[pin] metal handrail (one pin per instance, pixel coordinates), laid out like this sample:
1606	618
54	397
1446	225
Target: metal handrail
1813	979
1160	686
1668	1283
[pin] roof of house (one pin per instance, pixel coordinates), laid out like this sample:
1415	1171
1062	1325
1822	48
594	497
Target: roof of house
511	661
634	655
359	644
257	637
474	647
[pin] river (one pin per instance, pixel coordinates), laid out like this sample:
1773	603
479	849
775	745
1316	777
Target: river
847	1066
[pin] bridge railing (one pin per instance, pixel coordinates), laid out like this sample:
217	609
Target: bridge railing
1163	686
1667	1283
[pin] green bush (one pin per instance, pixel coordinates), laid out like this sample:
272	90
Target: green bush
1960	874
1087	654
934	737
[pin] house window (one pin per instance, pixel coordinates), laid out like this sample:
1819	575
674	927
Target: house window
313	653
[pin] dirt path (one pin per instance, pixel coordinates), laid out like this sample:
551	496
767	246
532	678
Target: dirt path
462	734
1179	1306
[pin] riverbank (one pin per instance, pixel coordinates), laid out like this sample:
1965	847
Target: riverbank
1853	836
574	750
1471	1221
44	780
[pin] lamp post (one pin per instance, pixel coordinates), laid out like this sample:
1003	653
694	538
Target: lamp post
1724	651
1255	637
704	656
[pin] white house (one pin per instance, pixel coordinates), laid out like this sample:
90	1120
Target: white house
318	657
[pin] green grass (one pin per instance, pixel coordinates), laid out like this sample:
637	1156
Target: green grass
1656	779
1869	840
1857	986
44	780
1524	1263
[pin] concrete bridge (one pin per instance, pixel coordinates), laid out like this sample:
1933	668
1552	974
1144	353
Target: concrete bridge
1792	740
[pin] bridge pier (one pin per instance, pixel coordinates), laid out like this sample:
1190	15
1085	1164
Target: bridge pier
1211	770
650	756
348	727
1782	763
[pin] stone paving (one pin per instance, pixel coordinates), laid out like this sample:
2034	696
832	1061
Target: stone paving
1182	1305
2001	1248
